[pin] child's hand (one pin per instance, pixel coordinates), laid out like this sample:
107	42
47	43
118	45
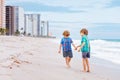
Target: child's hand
75	48
59	51
79	50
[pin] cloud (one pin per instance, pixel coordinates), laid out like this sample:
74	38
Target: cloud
92	11
106	15
72	4
99	16
29	6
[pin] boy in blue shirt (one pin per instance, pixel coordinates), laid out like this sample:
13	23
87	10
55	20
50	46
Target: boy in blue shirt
65	44
85	49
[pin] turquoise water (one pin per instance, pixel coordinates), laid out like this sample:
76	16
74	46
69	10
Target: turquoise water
109	40
113	40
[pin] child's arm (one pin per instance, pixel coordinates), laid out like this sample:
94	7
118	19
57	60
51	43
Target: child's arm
74	46
78	46
81	46
60	48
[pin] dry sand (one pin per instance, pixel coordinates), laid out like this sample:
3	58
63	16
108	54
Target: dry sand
26	58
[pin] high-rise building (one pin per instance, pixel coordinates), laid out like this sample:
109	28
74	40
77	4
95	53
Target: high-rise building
44	28
32	24
19	19
14	20
2	13
10	20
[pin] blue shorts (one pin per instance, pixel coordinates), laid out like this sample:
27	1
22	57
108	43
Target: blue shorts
67	54
85	54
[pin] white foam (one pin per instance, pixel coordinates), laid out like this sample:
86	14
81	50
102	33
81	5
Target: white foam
106	50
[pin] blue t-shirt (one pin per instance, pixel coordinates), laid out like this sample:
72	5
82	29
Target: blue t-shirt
86	47
66	44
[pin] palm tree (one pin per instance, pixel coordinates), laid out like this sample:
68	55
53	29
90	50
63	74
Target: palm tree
2	31
17	32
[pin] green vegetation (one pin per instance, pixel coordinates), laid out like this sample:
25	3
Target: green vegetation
2	31
17	32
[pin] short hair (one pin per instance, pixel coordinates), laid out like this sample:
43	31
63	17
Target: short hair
84	31
66	33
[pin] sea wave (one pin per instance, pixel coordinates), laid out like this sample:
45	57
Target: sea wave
107	50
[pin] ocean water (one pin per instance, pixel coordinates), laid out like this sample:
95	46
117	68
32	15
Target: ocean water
104	49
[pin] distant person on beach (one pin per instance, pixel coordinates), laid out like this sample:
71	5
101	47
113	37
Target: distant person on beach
65	44
85	49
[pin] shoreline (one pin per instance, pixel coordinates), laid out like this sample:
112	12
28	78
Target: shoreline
39	60
98	61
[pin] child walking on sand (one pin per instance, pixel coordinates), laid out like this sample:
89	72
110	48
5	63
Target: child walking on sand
85	49
65	44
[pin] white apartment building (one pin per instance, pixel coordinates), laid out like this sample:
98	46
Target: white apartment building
32	24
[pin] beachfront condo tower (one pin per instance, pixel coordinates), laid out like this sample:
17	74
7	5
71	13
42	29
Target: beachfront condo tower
14	20
10	18
32	25
44	28
2	13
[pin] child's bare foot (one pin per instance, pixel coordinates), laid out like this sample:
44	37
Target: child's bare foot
83	70
88	70
68	66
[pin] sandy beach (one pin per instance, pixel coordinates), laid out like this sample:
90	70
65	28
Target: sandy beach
27	58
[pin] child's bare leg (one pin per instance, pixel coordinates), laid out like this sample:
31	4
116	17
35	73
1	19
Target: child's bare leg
88	66
84	65
67	62
69	59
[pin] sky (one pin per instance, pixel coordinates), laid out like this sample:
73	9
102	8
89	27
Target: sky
100	17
